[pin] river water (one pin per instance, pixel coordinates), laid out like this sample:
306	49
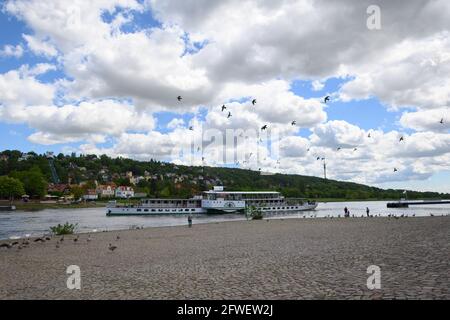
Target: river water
36	223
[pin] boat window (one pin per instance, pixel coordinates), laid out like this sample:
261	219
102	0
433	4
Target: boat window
139	210
146	210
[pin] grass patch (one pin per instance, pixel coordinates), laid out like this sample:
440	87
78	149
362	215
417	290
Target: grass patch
67	228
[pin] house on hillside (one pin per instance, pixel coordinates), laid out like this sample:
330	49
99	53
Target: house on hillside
124	192
106	191
24	157
58	187
90	195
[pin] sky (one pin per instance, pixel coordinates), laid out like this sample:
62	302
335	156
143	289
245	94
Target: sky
103	77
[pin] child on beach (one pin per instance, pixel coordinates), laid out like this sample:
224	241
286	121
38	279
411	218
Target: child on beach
190	221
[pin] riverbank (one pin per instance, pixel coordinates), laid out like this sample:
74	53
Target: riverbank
267	259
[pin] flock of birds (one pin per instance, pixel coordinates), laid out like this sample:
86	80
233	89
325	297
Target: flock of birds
293	123
26	242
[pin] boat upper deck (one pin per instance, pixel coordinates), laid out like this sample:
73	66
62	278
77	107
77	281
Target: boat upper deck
242	195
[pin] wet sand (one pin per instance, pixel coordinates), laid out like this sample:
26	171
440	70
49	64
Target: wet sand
277	259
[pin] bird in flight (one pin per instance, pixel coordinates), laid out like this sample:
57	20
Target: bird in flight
229	114
179	98
190	128
264	127
318	158
355	149
253	101
293	123
338	148
111	247
401	139
327	98
368	136
442	121
395	170
223	107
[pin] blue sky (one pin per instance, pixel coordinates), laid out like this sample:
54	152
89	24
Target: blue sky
340	121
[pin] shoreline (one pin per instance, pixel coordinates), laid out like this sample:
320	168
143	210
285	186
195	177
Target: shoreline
27	207
260	259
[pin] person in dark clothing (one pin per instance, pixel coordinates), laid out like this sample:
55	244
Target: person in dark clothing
345	212
190	221
367	211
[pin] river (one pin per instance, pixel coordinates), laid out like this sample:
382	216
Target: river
36	223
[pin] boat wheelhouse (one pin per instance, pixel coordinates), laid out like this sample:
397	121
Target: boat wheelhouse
214	201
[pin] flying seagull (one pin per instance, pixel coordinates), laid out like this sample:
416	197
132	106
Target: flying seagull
401	139
442	121
338	148
318	158
293	123
327	98
229	114
179	98
368	136
191	128
264	127
253	101
395	170
223	107
355	149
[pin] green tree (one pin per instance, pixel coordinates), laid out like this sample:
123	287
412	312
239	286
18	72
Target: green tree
77	192
33	181
10	187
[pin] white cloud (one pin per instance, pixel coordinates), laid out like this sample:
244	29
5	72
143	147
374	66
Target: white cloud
40	47
317	85
11	51
427	120
175	123
19	88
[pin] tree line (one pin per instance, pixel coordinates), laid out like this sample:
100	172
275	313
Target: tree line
34	174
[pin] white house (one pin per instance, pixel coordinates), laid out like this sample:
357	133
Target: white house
91	194
124	192
106	191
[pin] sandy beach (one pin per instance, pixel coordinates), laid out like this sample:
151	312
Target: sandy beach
276	259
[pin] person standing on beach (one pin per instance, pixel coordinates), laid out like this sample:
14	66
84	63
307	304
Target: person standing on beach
190	221
345	212
367	211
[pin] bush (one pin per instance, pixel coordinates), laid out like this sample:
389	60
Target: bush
254	213
67	228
